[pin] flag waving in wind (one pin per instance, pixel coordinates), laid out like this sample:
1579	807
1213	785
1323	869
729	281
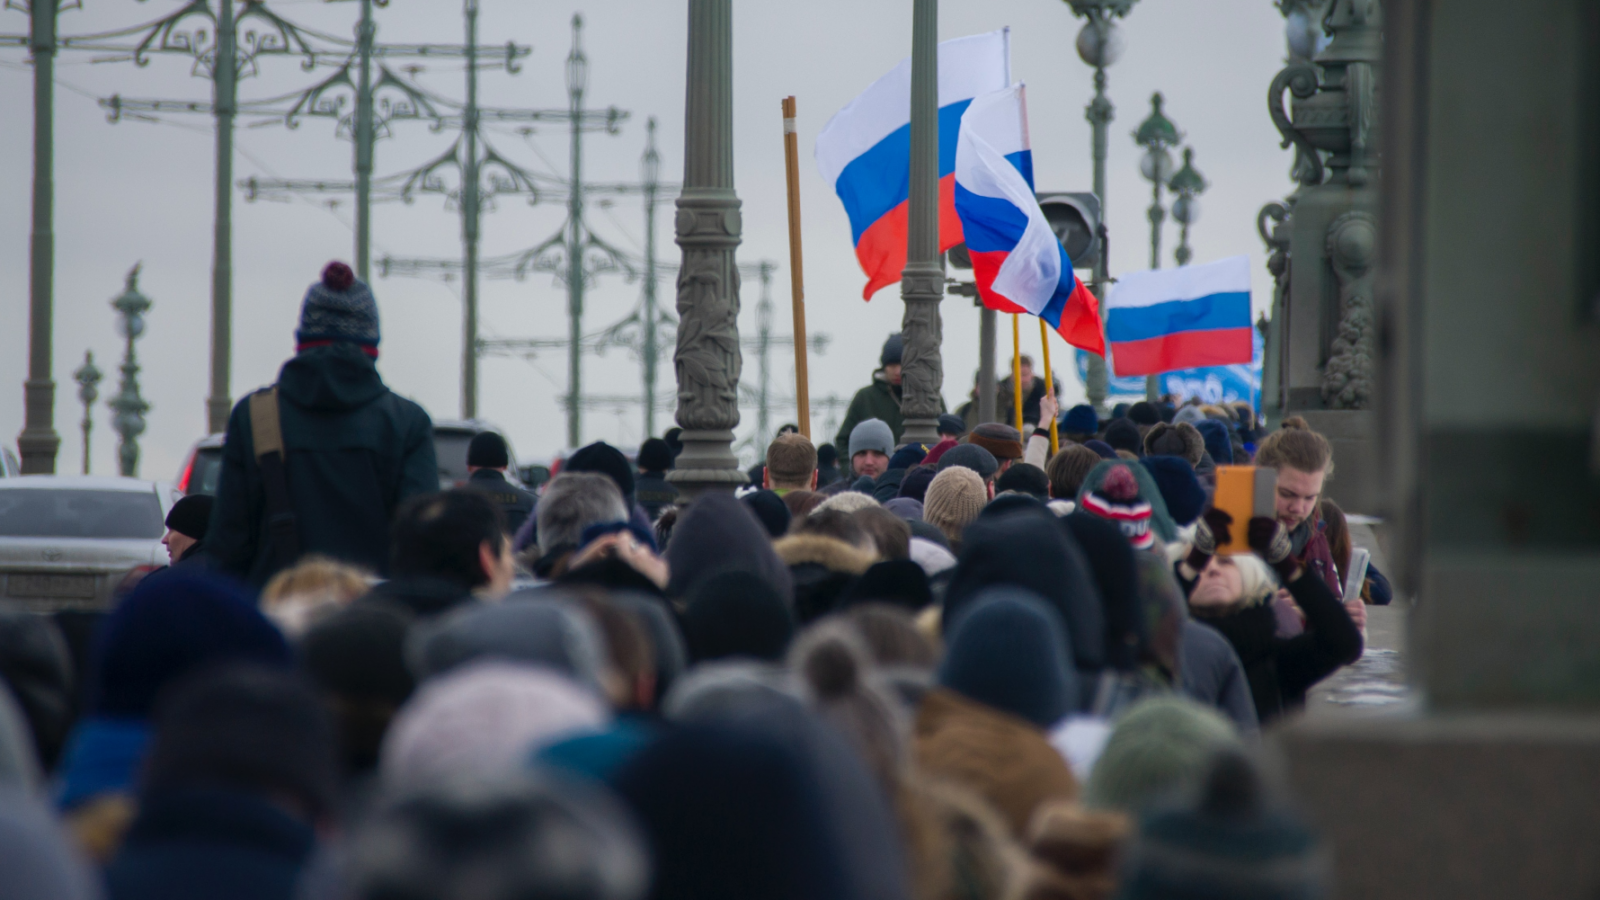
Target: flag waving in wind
1017	261
1193	316
865	151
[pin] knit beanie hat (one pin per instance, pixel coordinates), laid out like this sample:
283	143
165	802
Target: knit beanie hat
717	532
893	348
258	730
847	502
1159	749
173	623
191	515
1080	419
1228	842
908	456
971	456
549	631
1122	434
1175	478
1003	441
607	460
897	582
340	307
1119	411
1144	413
1007	650
905	507
1161	524
1117	498
951	425
871	434
954	499
915	484
833	668
1101	449
488	451
655	456
1181	440
1217	441
770	509
1189	414
1024	478
483	720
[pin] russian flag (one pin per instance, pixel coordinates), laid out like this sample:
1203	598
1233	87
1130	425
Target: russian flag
1182	318
1019	265
865	151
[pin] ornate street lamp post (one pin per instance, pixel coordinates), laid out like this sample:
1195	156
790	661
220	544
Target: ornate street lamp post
1099	45
1157	135
88	378
922	280
1186	183
129	406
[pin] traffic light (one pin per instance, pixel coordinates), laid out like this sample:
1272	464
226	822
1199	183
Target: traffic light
1075	219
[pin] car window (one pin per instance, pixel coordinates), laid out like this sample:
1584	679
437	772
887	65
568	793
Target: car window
450	449
80	514
207	470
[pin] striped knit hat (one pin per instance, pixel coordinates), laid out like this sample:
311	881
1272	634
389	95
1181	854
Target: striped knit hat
1118	499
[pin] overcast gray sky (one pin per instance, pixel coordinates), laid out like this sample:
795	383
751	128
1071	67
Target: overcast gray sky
137	191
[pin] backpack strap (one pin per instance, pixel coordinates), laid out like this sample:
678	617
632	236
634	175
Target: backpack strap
267	434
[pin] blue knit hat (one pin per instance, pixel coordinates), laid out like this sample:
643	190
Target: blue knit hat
1081	419
1007	650
173	623
340	307
908	456
1217	442
893	349
1176	481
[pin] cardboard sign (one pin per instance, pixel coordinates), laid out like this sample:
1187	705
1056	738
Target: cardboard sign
1244	492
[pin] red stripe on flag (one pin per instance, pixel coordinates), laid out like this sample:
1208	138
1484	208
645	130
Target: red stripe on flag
1080	321
1183	350
882	248
985	266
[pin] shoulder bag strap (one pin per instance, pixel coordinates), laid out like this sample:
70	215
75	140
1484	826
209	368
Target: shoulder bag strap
270	456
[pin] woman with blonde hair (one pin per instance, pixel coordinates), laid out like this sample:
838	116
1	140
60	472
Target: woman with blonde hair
297	597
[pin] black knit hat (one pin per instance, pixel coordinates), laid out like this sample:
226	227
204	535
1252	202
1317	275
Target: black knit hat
952	425
892	350
246	728
1024	478
340	307
770	509
488	451
191	515
898	582
655	456
1122	434
1144	413
736	613
607	460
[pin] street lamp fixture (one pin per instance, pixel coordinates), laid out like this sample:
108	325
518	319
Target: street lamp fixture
88	378
1157	135
1187	183
1100	44
128	405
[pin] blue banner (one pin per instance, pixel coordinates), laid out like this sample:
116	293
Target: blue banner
1212	384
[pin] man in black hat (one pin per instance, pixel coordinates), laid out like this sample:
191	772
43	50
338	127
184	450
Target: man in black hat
881	398
651	489
487	460
186	528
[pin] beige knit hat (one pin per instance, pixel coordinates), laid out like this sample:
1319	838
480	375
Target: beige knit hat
954	499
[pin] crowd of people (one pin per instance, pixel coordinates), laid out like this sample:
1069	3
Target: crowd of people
884	669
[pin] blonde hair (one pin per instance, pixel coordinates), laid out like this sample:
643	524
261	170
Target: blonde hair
298	596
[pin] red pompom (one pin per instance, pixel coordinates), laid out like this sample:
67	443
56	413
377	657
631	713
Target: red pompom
1120	485
337	276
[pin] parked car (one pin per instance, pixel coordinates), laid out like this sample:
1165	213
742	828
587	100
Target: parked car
67	541
450	440
202	467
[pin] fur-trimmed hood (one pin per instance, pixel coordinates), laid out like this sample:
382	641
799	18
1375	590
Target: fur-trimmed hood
1180	439
831	553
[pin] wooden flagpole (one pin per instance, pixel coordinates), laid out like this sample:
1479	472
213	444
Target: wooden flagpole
1016	370
1049	385
797	292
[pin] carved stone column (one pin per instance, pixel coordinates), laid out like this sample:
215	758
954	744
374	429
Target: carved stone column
1347	378
708	225
922	280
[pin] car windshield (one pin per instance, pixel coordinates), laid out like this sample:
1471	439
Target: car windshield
80	514
450	449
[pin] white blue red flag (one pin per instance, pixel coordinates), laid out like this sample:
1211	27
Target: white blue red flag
1019	265
1167	319
865	151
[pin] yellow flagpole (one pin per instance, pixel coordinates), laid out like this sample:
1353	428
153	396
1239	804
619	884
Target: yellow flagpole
1049	384
1016	370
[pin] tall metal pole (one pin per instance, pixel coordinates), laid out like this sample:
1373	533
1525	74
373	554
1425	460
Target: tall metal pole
1156	134
764	346
577	79
987	390
652	176
469	226
707	358
364	140
38	441
224	75
922	280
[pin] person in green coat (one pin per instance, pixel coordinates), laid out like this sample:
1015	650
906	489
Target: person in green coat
881	398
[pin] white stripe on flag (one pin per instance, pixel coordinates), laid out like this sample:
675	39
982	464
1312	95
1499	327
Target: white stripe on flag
1147	288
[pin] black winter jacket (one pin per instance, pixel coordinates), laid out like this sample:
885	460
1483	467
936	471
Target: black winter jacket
1282	670
355	451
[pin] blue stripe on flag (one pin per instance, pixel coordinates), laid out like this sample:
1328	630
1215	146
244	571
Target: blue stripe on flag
880	179
990	223
1208	313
